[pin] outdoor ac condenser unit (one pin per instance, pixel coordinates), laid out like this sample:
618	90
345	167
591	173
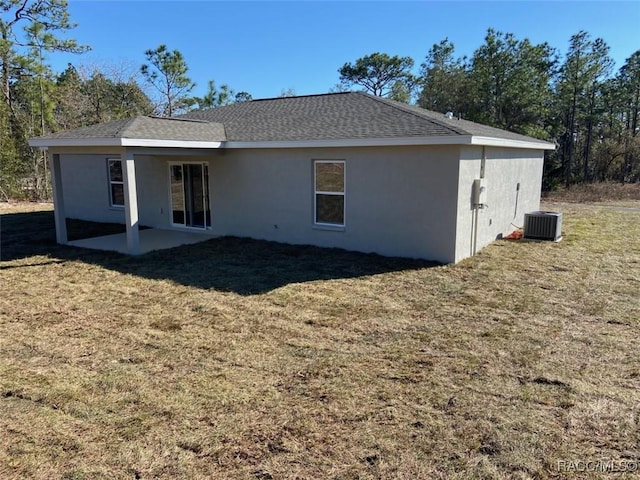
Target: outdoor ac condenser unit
543	226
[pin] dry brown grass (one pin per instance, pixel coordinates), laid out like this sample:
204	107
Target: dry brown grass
596	192
243	359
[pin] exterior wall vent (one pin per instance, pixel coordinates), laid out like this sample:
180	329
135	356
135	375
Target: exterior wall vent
543	226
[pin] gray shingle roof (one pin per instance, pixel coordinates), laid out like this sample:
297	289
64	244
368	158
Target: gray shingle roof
152	128
327	117
465	126
319	117
351	115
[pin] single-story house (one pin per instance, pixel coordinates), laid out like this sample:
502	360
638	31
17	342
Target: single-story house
345	170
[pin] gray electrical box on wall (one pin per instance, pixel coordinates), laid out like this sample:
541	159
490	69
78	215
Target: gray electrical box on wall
480	192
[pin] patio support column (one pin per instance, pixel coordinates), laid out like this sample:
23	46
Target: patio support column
130	202
58	198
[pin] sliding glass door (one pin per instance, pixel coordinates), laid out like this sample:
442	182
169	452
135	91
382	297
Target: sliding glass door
190	195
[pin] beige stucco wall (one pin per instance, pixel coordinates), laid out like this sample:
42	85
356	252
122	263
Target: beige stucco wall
412	201
153	191
86	189
506	206
399	201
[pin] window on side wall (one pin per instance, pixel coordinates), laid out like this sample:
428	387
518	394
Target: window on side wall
116	182
329	182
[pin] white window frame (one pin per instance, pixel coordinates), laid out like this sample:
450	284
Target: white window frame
322	192
114	182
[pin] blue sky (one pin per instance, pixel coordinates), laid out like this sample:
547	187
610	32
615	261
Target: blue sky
266	47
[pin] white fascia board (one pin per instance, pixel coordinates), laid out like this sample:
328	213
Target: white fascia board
145	142
120	142
398	141
347	142
503	142
356	142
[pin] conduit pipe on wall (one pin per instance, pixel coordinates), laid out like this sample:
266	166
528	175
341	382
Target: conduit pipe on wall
476	208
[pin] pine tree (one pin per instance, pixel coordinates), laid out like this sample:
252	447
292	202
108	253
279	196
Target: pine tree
167	72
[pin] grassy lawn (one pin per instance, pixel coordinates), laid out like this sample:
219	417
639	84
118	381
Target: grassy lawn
244	359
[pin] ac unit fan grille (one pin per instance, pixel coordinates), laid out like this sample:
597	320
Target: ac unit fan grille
543	226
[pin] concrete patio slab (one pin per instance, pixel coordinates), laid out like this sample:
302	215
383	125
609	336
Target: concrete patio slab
150	239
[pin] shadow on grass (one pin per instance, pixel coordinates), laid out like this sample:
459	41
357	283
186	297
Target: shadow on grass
33	233
240	265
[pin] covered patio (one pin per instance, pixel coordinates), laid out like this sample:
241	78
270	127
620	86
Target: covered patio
126	141
148	240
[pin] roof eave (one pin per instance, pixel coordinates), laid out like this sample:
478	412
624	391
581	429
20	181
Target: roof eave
504	142
395	141
353	142
144	142
45	143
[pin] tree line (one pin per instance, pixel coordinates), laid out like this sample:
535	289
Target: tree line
576	100
38	101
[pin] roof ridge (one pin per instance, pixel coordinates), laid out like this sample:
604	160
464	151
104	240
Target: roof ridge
299	96
406	109
177	119
126	125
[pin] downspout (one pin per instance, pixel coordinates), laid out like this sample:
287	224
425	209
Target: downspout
476	208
